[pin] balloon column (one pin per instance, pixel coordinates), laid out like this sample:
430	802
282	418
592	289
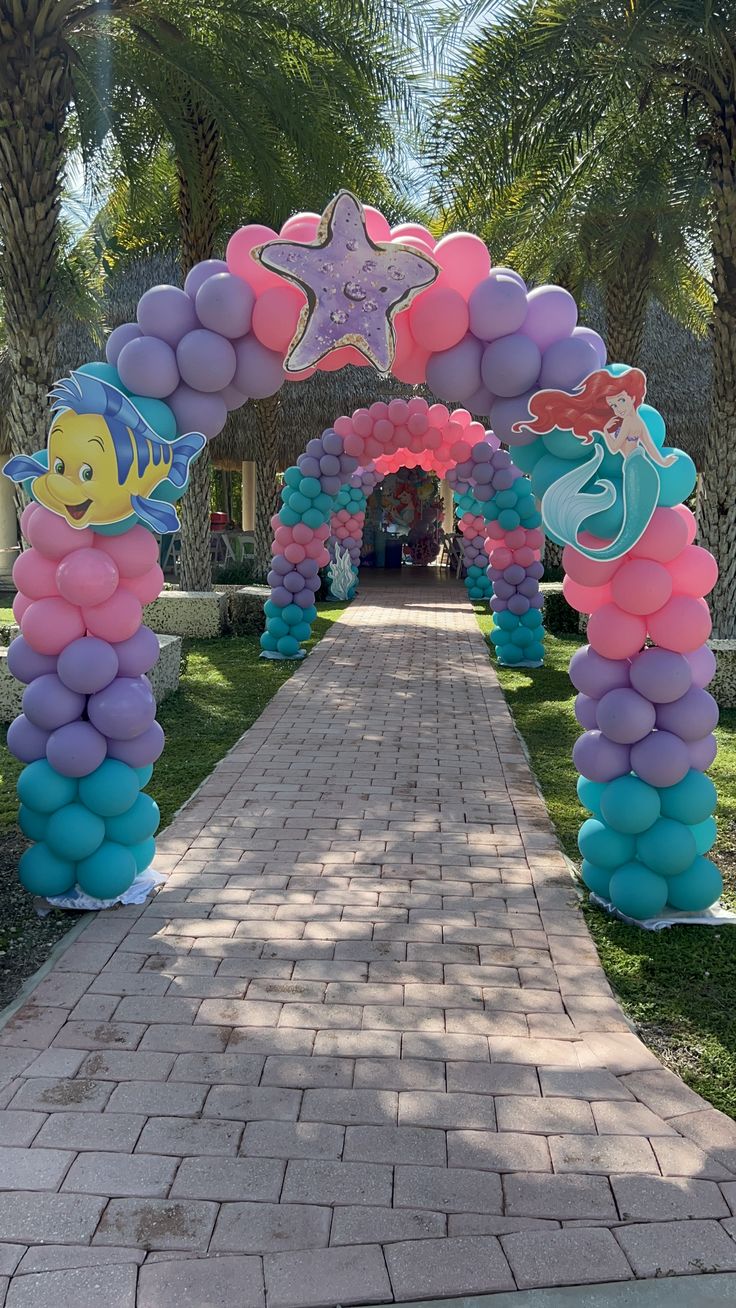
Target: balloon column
648	720
475	560
87	733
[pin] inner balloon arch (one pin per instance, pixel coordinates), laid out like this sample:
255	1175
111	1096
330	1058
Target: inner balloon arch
324	292
323	513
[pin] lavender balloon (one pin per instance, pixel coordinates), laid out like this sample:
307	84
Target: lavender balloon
551	314
141	750
195	411
660	675
661	759
147	366
166	312
497	307
48	704
594	675
206	360
87	664
511	365
127	331
565	363
259	372
200	273
126	707
25	664
224	304
76	750
137	654
600	759
26	741
455	374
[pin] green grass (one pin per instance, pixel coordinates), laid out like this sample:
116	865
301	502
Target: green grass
677	985
6	615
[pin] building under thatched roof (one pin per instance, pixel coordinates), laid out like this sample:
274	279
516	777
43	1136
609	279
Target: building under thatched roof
677	364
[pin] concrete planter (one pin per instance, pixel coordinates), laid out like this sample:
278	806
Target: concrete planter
198	613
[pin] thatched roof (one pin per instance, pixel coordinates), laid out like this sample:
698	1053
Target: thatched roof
677	364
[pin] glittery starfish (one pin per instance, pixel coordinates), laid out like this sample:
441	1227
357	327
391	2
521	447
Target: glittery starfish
354	286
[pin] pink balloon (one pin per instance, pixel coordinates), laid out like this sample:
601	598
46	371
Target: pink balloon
87	577
586	599
21	605
439	318
413	231
146	588
682	625
464	260
34	575
27	514
376	225
134	552
117	619
688	517
615	634
589	572
664	538
275	316
693	572
301	227
53	537
239	260
641	586
49	625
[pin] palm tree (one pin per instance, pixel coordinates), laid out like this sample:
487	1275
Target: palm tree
254	75
581	61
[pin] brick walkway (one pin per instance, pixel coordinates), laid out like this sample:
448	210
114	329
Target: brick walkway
360	1047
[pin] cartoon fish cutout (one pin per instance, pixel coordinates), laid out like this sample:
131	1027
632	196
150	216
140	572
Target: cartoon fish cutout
104	460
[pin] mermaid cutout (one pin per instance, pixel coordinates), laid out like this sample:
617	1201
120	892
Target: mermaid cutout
566	507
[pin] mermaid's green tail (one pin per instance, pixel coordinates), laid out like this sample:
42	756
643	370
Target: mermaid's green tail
566	507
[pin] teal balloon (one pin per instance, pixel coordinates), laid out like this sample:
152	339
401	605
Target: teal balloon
108	872
637	892
506	499
74	832
630	805
291	614
302	632
526	457
41	787
654	423
314	518
548	470
268	642
144	775
110	789
136	824
106	372
705	834
589	794
43	873
535	652
157	414
32	823
299	503
509	653
509	519
505	621
288	646
601	845
596	879
143	853
563	445
691	800
272	610
677	482
310	487
668	847
288	517
696	888
277	627
532	618
292	477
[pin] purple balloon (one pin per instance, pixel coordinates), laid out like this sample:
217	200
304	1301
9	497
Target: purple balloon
76	749
205	360
140	751
594	675
480	402
565	363
294	582
310	467
519	604
138	653
497	307
702	753
702	665
599	345
147	366
232	398
692	717
624	716
201	272
551	314
25	664
506	412
123	709
509	272
195	411
127	331
660	759
511	365
224	304
27	741
166	312
259	372
585	708
330	485
329	464
660	675
331	443
455	374
600	759
304	599
281	596
48	704
87	664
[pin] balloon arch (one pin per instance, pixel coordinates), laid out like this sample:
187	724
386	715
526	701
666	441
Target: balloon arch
346	288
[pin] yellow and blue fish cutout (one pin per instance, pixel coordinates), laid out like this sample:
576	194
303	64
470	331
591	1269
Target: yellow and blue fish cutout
103	460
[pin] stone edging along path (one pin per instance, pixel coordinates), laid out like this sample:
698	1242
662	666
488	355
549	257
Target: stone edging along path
359	1048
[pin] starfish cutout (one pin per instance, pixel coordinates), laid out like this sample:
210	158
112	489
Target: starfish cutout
354	286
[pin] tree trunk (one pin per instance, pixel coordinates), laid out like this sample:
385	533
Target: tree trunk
626	296
34	101
198	218
717	483
267	460
552	560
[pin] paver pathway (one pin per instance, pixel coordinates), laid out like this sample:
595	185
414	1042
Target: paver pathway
359	1047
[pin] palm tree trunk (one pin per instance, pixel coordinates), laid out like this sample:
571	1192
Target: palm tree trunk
34	101
267	460
717	482
198	217
626	296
